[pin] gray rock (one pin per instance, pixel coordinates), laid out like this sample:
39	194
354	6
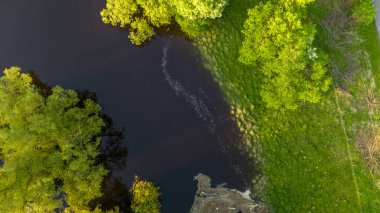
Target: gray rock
222	200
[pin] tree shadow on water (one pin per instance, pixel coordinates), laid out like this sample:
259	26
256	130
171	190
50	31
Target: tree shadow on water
113	156
115	194
112	152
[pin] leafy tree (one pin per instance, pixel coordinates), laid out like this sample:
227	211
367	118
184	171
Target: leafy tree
145	197
198	9
48	146
280	43
143	17
364	11
142	31
293	3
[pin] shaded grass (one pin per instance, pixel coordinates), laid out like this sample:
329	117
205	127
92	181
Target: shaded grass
309	161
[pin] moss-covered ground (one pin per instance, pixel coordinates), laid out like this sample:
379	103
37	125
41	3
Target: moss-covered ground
309	157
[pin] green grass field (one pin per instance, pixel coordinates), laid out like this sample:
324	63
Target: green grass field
308	157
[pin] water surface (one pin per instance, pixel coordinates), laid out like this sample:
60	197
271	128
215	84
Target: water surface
177	122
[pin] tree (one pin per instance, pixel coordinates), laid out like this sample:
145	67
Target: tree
144	17
48	146
297	3
280	44
198	9
145	197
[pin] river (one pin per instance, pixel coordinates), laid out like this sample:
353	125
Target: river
176	120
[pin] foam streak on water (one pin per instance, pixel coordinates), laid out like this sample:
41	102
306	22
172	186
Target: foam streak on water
195	102
199	106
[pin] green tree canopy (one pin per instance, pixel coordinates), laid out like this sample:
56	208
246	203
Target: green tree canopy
364	11
48	147
295	3
145	197
280	44
143	17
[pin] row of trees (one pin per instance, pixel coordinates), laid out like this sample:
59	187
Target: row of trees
50	150
145	17
278	40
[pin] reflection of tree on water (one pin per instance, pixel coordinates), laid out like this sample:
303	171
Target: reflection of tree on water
43	88
112	154
115	193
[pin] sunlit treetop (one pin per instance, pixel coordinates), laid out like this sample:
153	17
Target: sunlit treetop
48	146
145	197
279	43
301	3
199	9
144	17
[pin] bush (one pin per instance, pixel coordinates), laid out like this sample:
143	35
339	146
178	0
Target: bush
364	12
145	197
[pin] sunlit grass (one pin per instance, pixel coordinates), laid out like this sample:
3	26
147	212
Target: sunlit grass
308	156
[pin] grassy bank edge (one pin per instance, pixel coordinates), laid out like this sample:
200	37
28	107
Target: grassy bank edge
335	178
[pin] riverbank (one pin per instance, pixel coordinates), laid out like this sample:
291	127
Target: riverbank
223	200
308	157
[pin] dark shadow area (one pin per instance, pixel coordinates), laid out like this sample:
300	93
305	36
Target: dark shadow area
113	156
115	194
112	152
42	87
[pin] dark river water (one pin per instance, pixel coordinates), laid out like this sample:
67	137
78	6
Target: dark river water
176	120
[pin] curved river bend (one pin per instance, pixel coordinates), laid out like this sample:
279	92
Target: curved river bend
176	121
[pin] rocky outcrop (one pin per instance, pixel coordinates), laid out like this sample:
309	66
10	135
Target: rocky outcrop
222	200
